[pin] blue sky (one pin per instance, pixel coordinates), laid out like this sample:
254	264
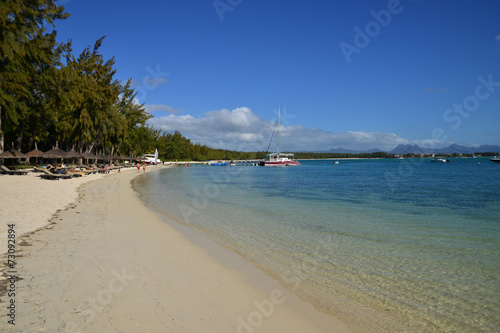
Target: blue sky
351	74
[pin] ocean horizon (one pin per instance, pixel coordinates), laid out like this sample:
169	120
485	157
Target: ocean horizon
384	245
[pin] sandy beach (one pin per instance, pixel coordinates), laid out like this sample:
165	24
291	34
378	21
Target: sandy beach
101	261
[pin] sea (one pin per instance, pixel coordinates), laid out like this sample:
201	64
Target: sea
385	245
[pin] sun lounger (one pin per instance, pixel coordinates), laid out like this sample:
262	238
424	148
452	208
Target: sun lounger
46	174
54	176
7	171
37	169
88	172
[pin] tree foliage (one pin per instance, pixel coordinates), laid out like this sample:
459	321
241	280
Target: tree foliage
49	95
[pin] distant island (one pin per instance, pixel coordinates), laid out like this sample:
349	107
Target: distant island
407	151
415	149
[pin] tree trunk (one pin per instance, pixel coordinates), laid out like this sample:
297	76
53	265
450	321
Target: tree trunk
19	139
1	133
91	146
32	140
119	146
95	141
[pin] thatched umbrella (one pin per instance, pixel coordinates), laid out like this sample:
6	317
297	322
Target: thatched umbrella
102	157
88	156
55	153
13	153
35	153
73	154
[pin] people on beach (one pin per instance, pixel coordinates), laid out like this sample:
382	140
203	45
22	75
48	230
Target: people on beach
144	168
138	167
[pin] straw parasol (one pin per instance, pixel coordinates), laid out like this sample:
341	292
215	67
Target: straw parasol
55	153
103	157
88	156
13	153
73	154
35	153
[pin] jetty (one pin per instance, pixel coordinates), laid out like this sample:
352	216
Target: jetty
213	163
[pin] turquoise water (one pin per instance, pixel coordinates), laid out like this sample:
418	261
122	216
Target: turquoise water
385	245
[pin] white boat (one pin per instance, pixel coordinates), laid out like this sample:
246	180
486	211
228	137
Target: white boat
151	159
440	159
495	159
279	159
335	162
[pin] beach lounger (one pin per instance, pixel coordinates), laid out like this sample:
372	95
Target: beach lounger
37	169
7	171
87	172
46	174
52	176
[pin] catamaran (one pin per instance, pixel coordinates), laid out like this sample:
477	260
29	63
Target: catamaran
279	159
151	158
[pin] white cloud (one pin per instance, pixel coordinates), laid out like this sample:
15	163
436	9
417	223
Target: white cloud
240	129
161	107
498	38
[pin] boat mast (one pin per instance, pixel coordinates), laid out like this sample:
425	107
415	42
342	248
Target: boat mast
278	144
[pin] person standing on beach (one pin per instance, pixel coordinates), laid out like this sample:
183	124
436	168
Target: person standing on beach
144	168
138	167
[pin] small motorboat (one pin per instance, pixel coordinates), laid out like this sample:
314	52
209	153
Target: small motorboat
440	159
496	160
335	162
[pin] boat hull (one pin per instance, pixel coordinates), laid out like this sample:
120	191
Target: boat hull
279	163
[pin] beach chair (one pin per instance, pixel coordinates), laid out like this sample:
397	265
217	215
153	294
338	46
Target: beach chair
7	171
37	169
75	173
46	174
87	172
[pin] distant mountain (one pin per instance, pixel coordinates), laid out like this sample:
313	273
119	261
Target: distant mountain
456	149
408	149
451	149
415	149
488	149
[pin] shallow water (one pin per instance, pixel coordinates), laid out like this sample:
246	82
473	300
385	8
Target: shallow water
385	245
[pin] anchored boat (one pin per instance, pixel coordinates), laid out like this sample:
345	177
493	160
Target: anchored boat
279	159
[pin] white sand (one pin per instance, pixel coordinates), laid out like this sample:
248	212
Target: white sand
29	201
109	264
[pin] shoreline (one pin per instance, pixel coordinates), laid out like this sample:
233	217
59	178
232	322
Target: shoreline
110	263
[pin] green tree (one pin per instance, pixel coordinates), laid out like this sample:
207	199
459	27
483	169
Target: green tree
22	29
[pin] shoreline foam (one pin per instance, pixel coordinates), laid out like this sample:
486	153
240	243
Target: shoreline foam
111	264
